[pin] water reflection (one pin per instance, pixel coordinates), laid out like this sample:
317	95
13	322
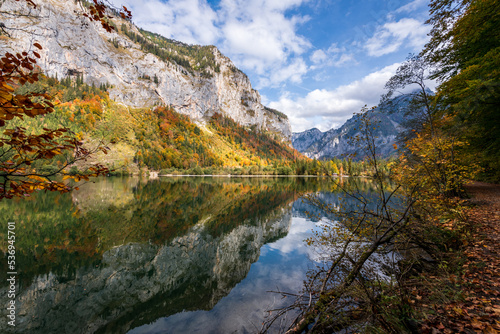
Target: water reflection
126	254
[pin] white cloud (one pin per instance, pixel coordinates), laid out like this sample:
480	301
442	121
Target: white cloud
333	56
259	37
292	72
325	109
390	36
189	21
344	59
318	57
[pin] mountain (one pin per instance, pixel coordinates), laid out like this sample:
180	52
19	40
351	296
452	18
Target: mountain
301	141
159	138
157	104
142	69
335	143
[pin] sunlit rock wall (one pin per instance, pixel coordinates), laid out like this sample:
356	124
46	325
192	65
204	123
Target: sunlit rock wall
73	45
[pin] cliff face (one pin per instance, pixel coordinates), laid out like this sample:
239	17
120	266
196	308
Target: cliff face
74	46
302	140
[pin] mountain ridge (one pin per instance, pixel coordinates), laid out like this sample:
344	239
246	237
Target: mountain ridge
197	81
388	119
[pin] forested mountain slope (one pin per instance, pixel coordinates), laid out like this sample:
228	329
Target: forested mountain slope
156	138
154	102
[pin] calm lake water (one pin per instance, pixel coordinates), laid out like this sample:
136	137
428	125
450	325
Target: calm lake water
171	255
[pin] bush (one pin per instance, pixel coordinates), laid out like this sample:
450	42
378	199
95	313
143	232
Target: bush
285	171
254	170
165	171
197	171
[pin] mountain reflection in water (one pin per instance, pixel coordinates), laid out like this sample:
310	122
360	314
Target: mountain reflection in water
176	255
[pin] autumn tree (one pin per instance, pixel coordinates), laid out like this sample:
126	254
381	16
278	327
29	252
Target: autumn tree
464	51
418	103
431	154
346	288
20	149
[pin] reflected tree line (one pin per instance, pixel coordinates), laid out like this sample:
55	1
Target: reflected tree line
62	232
120	253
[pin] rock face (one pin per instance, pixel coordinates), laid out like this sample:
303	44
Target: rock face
138	283
303	140
335	143
74	46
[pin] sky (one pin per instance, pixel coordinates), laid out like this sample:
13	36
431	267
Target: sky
317	61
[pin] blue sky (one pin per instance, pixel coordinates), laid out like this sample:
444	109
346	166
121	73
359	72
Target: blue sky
316	61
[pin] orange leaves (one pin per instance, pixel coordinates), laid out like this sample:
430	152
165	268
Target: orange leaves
478	308
15	64
24	149
37	178
125	13
5	88
19	149
17	70
97	12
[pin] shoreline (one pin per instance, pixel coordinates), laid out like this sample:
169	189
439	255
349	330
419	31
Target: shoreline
231	175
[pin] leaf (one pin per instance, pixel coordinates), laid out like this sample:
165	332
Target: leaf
477	324
6	87
37	178
489	330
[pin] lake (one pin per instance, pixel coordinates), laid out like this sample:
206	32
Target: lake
169	255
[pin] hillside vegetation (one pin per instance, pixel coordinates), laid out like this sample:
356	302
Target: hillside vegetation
416	257
155	138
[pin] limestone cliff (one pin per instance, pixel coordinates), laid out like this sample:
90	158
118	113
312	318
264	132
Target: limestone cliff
138	77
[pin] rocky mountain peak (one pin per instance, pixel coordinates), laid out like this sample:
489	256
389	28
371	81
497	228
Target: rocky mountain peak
389	120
